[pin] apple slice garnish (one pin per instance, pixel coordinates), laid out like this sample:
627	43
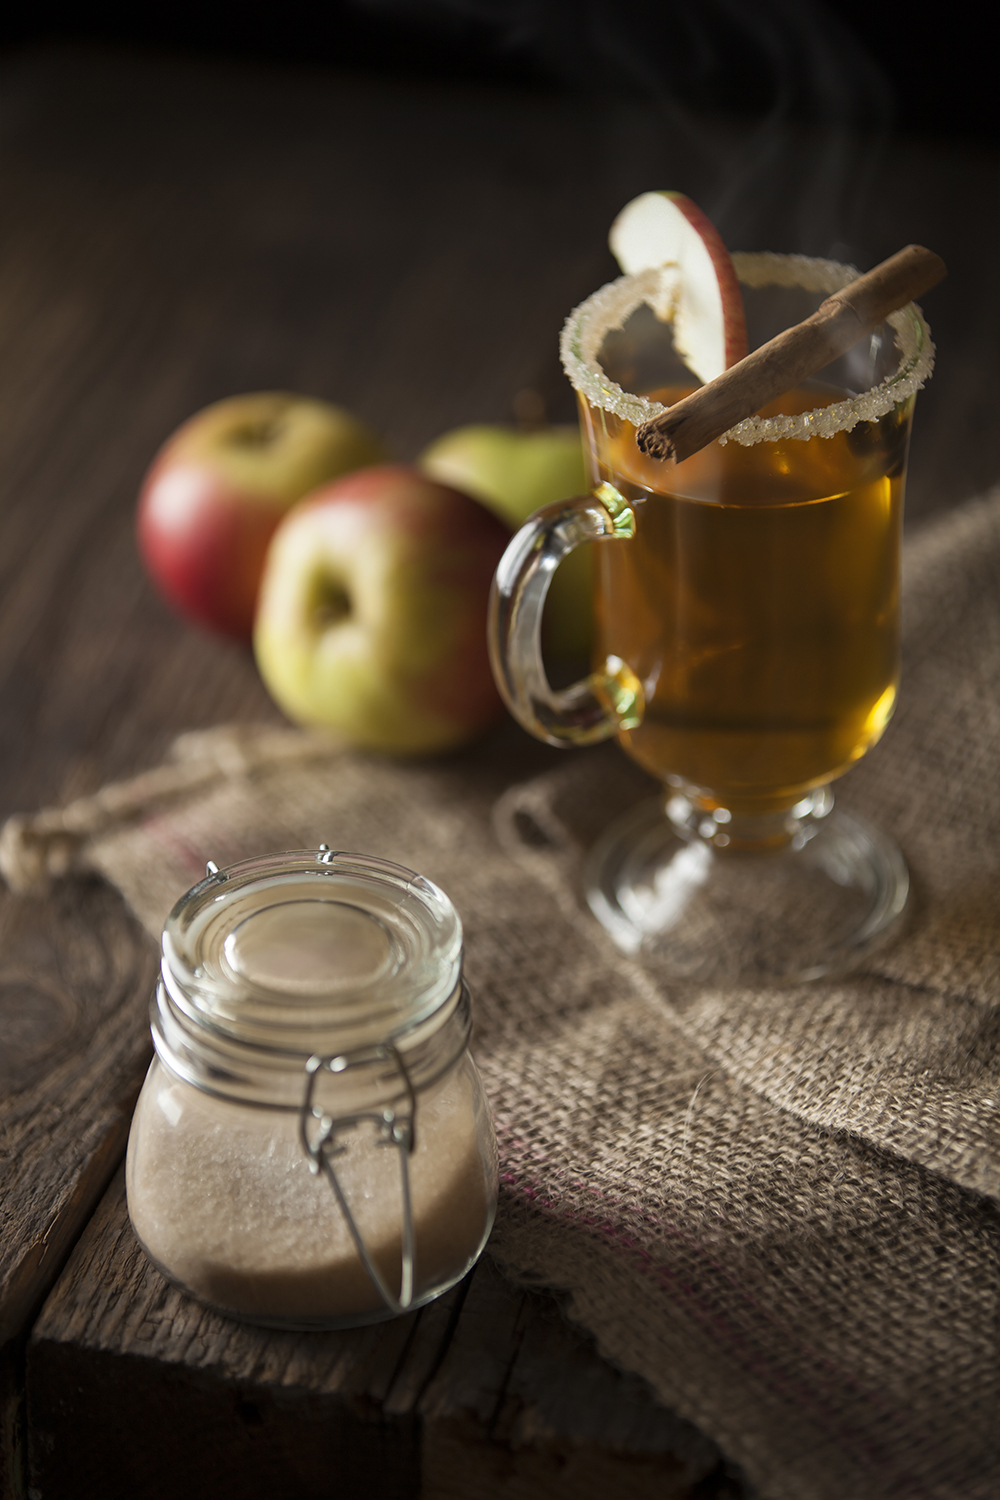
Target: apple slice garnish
699	291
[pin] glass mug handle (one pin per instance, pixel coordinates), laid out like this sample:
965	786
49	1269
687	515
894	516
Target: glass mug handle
598	706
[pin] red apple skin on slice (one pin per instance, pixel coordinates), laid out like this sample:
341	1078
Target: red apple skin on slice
734	318
703	297
371	619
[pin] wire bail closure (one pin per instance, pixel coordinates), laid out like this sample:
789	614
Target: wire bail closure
393	1128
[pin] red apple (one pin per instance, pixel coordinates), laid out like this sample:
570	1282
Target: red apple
218	488
372	611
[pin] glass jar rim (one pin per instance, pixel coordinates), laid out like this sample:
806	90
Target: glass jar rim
608	308
411	944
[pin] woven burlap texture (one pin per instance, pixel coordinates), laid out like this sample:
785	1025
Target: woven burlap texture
779	1207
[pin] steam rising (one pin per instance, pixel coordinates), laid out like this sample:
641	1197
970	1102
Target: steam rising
803	92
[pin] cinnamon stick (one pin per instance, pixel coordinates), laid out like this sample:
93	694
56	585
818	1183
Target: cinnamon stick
791	357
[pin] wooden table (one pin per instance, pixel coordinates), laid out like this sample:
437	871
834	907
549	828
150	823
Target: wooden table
176	232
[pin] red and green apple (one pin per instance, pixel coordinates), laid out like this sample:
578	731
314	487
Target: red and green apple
371	619
219	486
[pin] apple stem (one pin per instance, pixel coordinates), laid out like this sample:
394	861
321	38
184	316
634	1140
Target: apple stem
259	434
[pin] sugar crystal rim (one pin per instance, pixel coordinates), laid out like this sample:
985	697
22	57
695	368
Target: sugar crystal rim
608	309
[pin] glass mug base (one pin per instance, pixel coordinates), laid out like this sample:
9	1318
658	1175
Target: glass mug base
708	900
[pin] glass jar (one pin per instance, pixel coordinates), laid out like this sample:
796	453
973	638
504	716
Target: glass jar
312	1147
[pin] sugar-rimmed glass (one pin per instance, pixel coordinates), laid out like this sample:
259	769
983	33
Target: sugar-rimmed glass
747	651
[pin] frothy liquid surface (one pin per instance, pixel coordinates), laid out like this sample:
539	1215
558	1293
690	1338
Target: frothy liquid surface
222	1198
758	603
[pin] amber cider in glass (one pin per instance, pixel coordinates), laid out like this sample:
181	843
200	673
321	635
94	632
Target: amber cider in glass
758	603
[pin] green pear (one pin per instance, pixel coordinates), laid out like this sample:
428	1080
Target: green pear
514	472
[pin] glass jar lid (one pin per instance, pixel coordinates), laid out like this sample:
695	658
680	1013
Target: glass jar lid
312	952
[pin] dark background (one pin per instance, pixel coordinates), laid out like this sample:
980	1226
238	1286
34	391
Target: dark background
861	63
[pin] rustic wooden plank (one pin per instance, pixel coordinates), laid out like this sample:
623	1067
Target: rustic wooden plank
135	1389
521	1407
487	1392
13	1467
75	978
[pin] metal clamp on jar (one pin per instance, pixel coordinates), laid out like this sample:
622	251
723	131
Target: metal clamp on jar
312	1147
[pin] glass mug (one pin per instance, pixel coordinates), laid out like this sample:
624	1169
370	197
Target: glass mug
747	634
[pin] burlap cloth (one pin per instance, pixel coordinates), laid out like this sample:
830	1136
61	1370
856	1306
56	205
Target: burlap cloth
780	1207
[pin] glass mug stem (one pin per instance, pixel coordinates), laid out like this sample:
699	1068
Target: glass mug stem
749	832
611	698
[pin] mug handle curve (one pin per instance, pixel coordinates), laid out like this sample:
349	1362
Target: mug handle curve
611	697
